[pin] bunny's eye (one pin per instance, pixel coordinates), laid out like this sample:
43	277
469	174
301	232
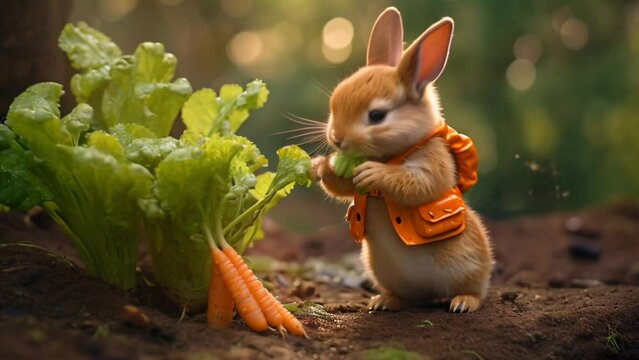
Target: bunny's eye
376	116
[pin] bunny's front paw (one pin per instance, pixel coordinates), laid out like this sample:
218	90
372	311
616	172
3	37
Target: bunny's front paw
369	175
320	166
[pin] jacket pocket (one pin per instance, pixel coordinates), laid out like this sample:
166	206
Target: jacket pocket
442	218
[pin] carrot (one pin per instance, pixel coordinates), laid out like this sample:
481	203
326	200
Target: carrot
245	302
291	324
273	310
219	313
264	298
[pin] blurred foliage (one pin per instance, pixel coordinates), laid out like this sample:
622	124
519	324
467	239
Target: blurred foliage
549	90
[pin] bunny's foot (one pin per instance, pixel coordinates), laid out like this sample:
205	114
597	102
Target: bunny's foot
386	302
464	303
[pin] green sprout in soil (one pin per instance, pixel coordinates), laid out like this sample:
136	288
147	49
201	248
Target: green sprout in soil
308	308
612	340
472	353
101	331
29	245
424	324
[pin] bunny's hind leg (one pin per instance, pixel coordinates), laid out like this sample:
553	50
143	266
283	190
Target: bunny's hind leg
465	303
387	302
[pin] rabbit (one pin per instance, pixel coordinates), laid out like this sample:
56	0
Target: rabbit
379	111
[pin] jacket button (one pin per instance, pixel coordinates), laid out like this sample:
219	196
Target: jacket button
358	216
398	220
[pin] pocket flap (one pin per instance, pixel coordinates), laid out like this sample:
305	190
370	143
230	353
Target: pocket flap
442	209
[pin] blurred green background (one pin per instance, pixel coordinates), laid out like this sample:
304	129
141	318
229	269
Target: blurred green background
548	90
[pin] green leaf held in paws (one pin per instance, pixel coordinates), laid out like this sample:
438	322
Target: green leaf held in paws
344	164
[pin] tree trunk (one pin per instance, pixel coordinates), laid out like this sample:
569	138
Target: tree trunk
29	51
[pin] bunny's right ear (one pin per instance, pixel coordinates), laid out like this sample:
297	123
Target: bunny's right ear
385	43
425	59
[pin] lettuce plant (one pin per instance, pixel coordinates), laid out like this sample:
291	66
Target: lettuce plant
109	168
90	189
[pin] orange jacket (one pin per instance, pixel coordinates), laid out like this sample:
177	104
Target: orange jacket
437	220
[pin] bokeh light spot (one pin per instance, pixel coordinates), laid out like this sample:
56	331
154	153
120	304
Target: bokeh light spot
521	74
337	33
574	34
245	48
527	47
336	56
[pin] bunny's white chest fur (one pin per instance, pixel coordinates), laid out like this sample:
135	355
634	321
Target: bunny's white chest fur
411	272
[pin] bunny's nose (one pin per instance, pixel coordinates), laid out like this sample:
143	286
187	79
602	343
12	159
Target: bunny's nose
339	143
335	140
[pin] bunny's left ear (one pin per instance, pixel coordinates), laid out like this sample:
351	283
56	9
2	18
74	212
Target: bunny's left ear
385	41
425	59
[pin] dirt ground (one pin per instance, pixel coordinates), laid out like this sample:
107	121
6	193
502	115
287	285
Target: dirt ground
565	286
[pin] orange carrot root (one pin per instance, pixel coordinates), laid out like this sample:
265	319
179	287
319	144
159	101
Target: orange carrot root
264	298
277	316
246	304
219	313
291	323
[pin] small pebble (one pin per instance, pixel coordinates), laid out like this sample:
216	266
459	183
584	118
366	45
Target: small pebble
282	280
134	316
584	248
577	226
574	223
585	283
510	296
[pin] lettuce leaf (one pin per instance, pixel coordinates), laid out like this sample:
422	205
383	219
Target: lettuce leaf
34	115
207	113
19	188
86	47
134	88
139	90
96	197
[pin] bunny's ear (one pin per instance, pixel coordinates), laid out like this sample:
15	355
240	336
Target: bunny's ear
425	59
385	42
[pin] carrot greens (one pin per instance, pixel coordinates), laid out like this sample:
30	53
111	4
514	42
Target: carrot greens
210	184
